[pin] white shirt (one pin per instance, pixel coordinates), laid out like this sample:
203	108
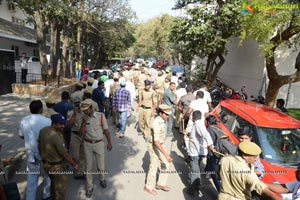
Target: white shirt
199	140
30	127
175	80
95	84
131	88
206	96
107	85
202	106
180	92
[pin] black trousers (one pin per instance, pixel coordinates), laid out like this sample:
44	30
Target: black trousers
23	76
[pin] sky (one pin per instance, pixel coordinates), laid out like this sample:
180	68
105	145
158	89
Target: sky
147	9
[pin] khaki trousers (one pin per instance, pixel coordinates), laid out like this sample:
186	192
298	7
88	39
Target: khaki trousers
91	150
157	161
77	152
58	180
144	119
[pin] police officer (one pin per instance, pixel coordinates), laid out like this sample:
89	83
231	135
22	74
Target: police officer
76	147
159	85
53	152
146	108
92	129
77	94
50	104
159	157
238	177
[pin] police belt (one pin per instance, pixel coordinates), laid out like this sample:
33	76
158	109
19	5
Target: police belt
53	163
92	141
145	107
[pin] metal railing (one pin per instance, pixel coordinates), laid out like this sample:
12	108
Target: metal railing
39	79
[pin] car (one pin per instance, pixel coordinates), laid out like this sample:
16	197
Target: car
178	69
277	133
94	71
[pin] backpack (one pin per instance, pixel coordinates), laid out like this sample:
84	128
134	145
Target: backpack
221	142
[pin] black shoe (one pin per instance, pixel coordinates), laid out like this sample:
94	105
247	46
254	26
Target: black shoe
89	193
190	191
103	184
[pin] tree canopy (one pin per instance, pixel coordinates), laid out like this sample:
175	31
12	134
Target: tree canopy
273	27
204	32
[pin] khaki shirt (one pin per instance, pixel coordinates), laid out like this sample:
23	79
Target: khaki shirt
158	128
52	144
142	78
113	88
76	95
238	178
48	112
93	127
148	97
77	122
160	83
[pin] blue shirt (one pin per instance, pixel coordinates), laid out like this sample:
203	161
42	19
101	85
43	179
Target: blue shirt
99	98
63	107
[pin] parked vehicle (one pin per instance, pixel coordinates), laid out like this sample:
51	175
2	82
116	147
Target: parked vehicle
275	132
93	72
178	69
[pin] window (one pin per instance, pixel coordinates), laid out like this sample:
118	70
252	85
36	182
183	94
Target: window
16	48
11	6
227	118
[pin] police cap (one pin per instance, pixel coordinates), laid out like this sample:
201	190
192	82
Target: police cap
249	148
147	82
165	108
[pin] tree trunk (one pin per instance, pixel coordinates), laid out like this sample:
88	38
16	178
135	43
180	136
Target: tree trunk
55	46
64	58
41	41
276	80
213	68
80	30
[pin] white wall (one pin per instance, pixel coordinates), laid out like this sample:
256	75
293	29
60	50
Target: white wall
7	14
245	65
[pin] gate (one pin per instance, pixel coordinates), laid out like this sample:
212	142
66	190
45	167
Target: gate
7	70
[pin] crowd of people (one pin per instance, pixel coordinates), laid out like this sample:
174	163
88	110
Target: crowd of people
72	131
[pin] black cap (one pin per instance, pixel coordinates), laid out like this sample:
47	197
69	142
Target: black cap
147	82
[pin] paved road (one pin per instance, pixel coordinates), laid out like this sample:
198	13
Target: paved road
126	164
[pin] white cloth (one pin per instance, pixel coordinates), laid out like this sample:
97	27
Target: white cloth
107	85
131	88
199	140
175	80
202	106
206	97
95	84
30	127
180	92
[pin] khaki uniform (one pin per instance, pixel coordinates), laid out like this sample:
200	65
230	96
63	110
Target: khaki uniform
135	76
140	84
48	112
77	95
157	159
76	146
144	118
159	88
238	179
112	91
94	146
52	152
